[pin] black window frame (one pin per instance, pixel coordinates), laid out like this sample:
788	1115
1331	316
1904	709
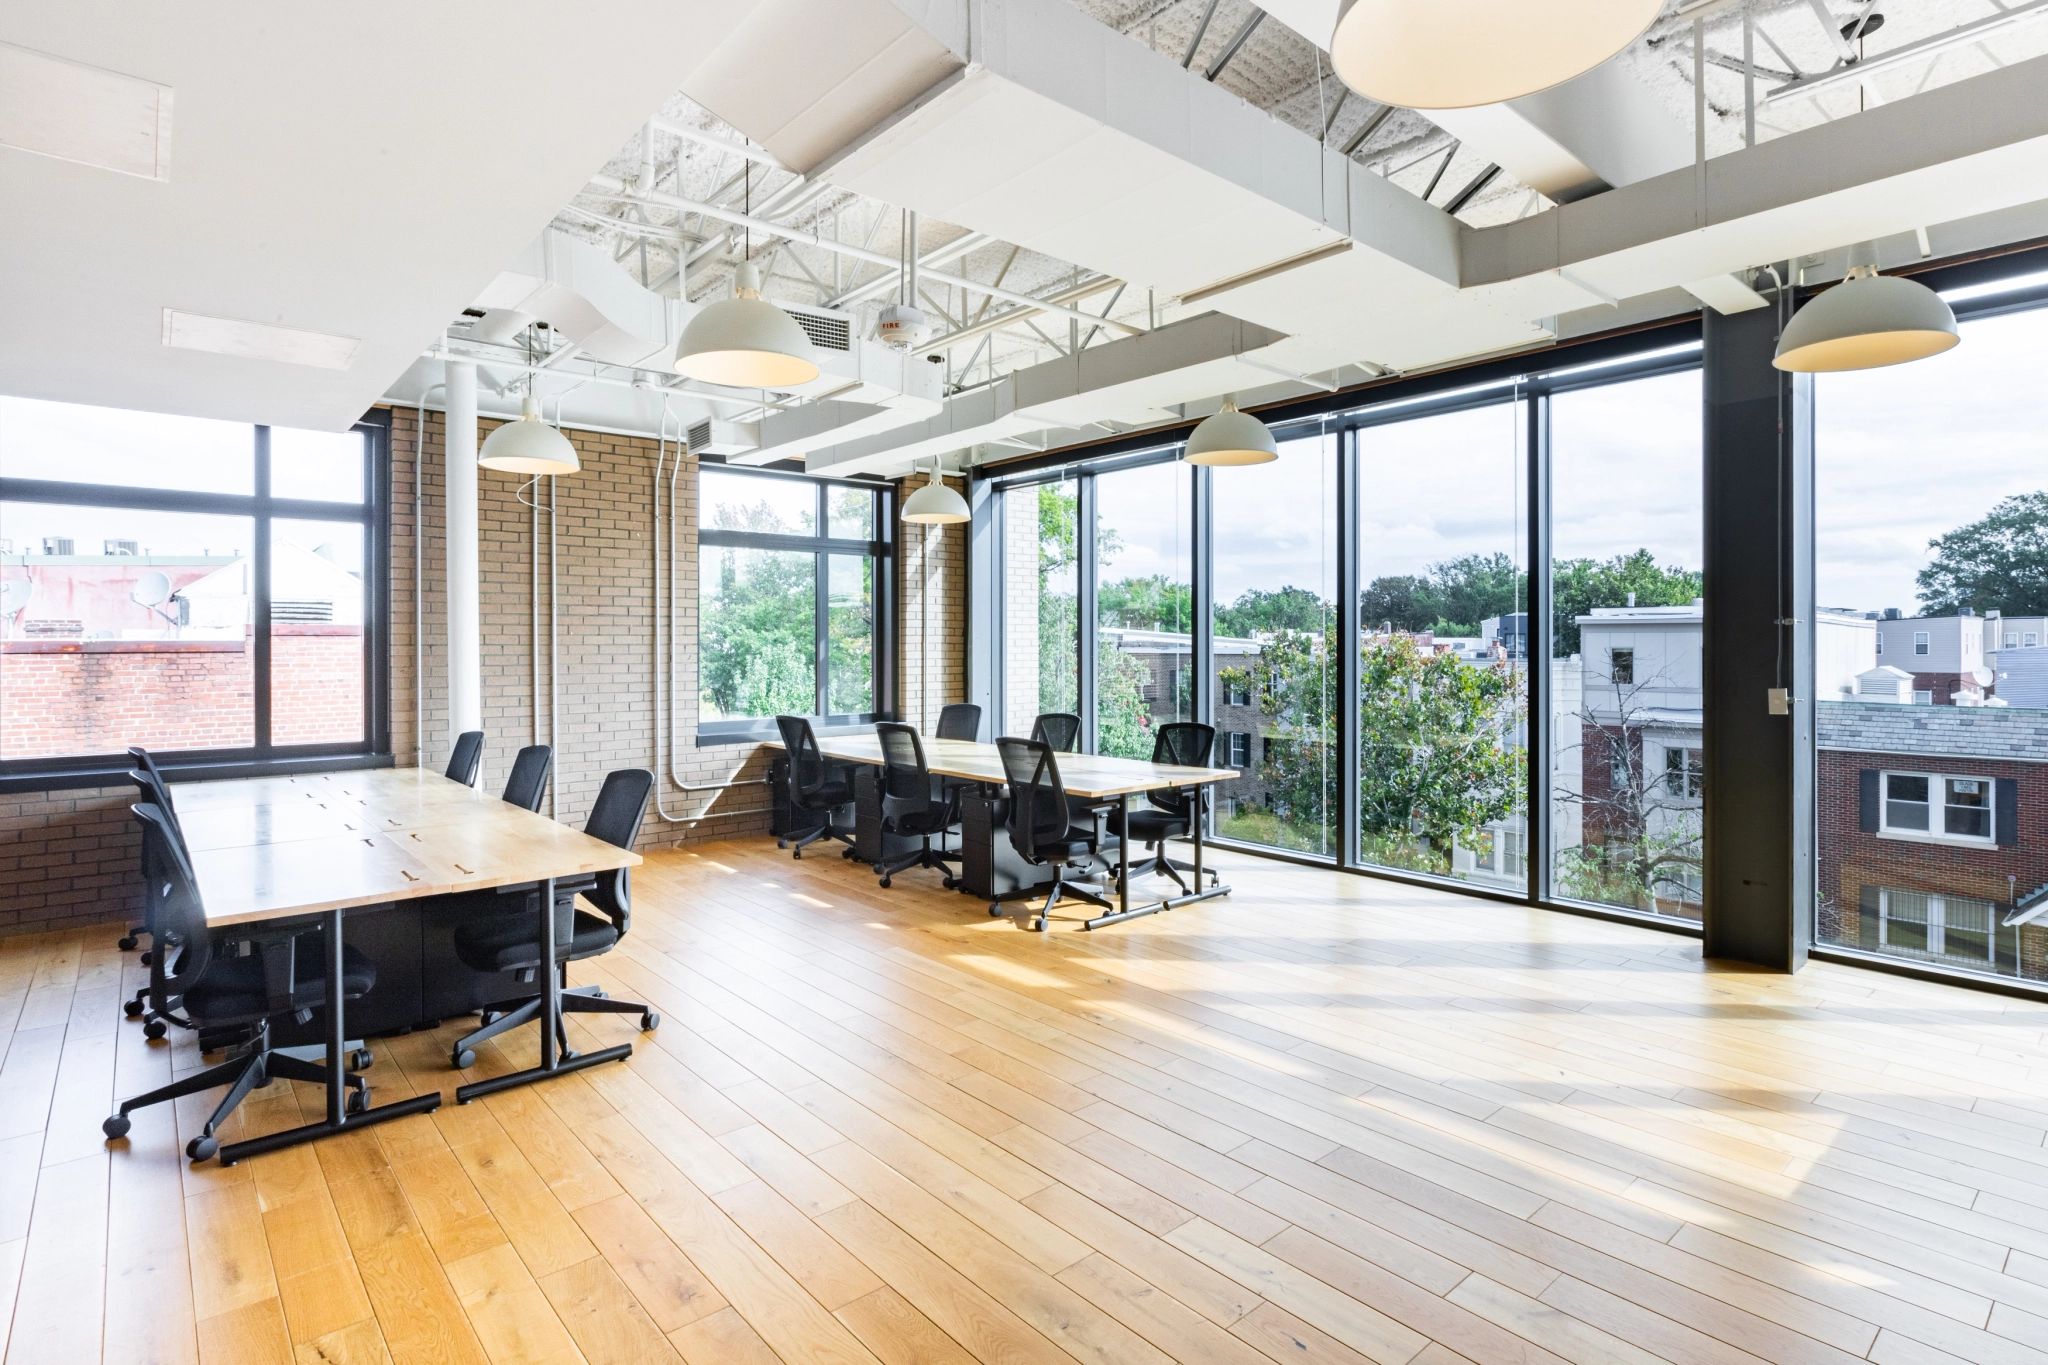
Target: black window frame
881	549
263	757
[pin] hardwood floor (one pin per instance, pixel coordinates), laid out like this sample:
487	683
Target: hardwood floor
1328	1120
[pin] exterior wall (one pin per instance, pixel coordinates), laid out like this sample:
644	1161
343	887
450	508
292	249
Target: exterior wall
1851	859
1020	613
68	857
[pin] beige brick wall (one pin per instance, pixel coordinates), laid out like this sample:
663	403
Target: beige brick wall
1020	610
68	857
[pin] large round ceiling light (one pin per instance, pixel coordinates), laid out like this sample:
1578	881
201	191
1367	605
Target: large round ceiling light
1230	437
935	504
528	446
1453	54
746	342
1866	321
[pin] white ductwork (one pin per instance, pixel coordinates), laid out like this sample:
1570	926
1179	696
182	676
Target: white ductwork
587	297
1601	131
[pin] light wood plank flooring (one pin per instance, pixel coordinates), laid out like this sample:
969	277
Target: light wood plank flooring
1329	1120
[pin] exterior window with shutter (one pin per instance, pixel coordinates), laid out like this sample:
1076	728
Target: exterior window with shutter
1950	808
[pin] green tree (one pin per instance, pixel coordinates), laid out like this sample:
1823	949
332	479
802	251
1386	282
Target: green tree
1123	721
1257	611
757	654
1579	585
1452	599
1996	563
1058	638
1154	602
1291	679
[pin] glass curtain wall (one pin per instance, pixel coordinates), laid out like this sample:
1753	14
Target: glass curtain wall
1273	646
1041	577
1144	607
1442	671
1931	671
1626	708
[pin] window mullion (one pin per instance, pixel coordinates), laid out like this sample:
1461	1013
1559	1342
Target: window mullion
259	599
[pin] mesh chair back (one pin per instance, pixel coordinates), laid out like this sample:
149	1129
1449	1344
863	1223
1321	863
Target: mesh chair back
621	806
961	720
806	763
906	780
1059	729
529	776
467	757
1038	801
1185	744
171	908
149	781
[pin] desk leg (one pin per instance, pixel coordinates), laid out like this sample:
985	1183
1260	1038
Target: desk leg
1124	911
552	1063
338	1118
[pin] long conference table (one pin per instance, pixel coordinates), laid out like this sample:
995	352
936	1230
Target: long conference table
322	844
1092	777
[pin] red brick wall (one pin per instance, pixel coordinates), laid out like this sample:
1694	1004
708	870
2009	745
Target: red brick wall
1851	859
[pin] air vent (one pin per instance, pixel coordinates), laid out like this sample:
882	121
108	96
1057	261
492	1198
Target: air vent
306	612
56	545
824	330
121	547
713	437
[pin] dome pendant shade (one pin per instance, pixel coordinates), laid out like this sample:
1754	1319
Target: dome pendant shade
1230	437
1866	321
746	342
528	446
935	504
1453	54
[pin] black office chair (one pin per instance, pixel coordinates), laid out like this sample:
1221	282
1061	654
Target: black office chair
959	720
1041	826
467	757
149	781
814	788
281	976
529	779
1172	810
908	806
1059	729
502	939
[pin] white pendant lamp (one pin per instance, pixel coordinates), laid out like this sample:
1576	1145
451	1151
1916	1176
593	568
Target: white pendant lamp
935	504
746	342
1453	54
1230	437
1866	321
528	446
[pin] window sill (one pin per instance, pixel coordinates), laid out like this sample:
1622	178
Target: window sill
1949	840
764	732
110	773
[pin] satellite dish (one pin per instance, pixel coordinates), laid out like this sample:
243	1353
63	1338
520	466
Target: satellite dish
152	590
14	595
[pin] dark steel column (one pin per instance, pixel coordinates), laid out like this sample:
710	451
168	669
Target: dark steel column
1084	609
1758	810
1347	648
1537	647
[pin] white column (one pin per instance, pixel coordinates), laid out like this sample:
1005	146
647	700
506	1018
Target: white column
465	630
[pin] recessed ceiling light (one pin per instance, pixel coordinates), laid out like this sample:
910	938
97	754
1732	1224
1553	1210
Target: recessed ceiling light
81	113
257	340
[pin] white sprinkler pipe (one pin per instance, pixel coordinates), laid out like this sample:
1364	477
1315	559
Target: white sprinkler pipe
465	622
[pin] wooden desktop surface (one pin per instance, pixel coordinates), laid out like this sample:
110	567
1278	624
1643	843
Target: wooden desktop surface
1087	775
268	847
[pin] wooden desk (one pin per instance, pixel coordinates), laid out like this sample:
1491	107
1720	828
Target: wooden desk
322	844
1093	777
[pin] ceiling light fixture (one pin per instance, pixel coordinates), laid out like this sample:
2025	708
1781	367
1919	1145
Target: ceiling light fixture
746	342
1230	437
1453	54
935	504
1866	321
528	446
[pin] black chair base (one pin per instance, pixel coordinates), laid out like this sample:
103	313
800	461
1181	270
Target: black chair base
800	842
934	858
1042	921
257	1067
574	1000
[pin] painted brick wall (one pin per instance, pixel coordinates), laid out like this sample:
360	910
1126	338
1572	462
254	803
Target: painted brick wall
68	857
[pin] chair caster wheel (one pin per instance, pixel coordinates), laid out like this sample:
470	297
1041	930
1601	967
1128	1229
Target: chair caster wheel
463	1059
155	1028
128	942
358	1101
115	1127
200	1148
798	855
649	1022
995	909
133	1009
148	958
885	883
948	883
782	843
1037	925
360	1059
487	1018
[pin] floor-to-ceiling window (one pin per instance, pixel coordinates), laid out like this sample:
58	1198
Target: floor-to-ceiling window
1625	773
1041	566
1931	650
1442	570
1144	608
1273	643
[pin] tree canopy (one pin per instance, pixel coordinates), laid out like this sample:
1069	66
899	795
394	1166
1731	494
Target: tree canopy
1579	585
1258	611
1451	599
1996	563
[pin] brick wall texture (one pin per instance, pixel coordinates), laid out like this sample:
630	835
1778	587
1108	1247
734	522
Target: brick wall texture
68	857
